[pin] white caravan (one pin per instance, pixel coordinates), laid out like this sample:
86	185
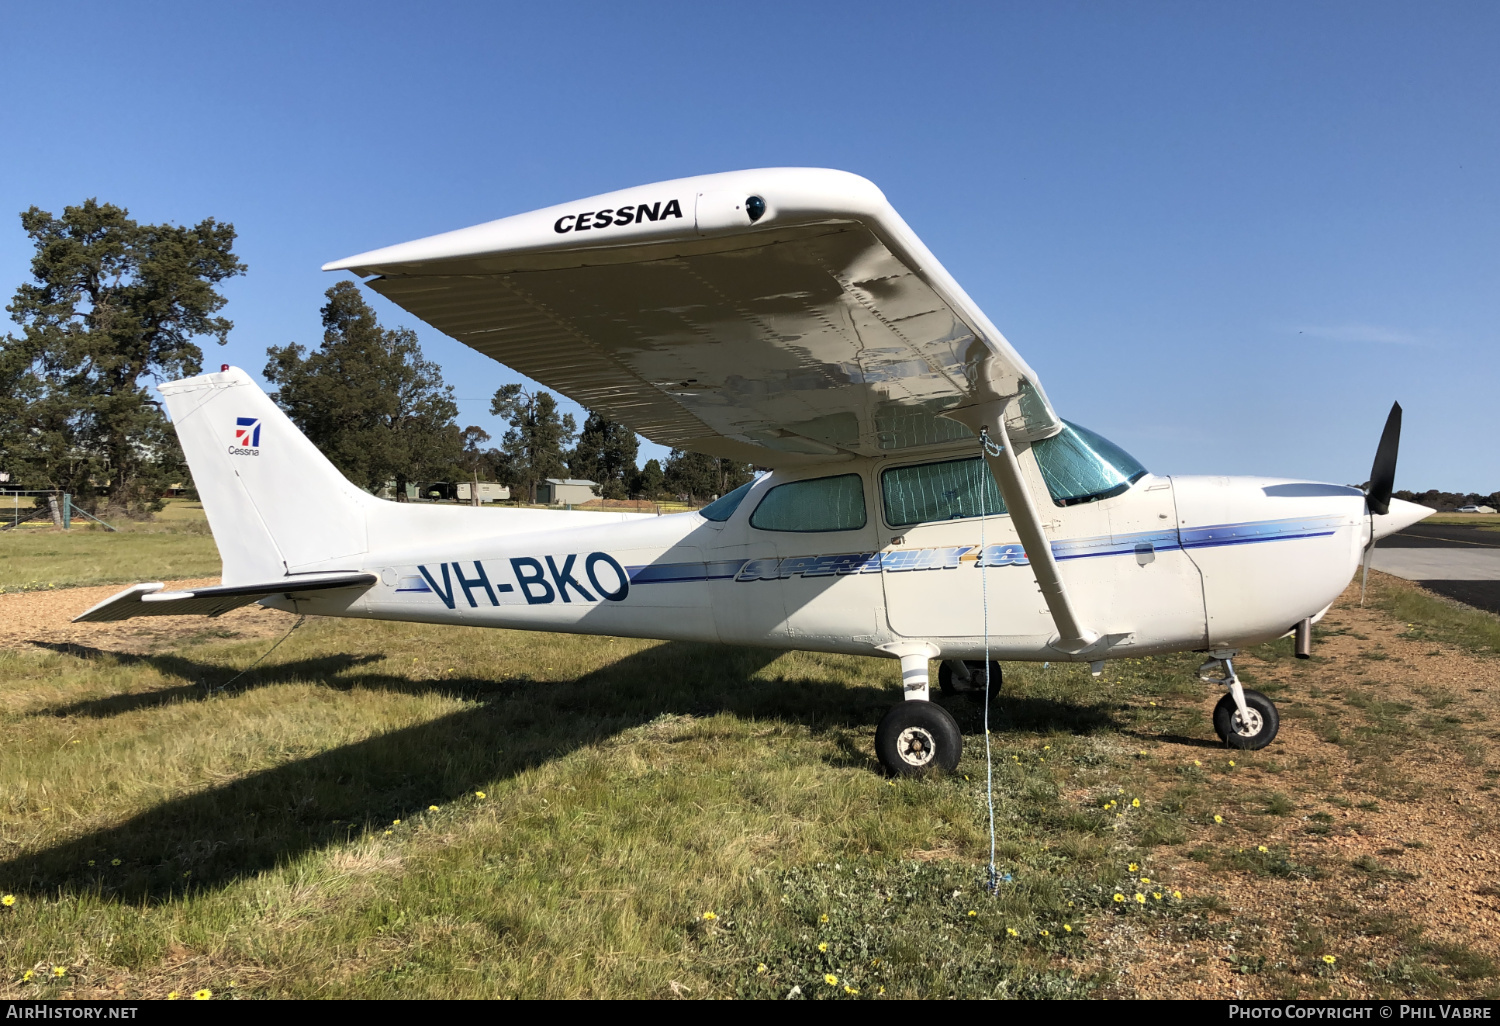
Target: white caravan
924	501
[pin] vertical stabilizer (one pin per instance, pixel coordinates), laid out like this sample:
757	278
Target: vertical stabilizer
274	502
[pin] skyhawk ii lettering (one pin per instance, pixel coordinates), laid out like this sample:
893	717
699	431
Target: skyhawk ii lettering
923	501
613	217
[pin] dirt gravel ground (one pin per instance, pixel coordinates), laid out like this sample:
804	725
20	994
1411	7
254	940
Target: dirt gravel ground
1384	852
1392	847
31	617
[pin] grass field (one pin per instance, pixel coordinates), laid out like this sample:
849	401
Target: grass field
397	810
175	544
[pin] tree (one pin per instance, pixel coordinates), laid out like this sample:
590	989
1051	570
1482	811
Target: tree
605	454
701	477
113	303
648	484
537	435
368	397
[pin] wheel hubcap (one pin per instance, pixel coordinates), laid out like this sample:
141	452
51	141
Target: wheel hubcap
916	746
1248	725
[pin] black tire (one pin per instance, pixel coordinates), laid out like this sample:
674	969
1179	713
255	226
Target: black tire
915	737
1227	725
953	687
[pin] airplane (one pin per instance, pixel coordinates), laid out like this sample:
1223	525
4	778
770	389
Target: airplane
923	500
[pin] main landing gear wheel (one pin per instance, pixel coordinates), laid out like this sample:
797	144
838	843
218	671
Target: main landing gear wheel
1253	732
918	736
951	683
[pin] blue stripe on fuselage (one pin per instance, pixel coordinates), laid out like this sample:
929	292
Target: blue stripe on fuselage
1212	536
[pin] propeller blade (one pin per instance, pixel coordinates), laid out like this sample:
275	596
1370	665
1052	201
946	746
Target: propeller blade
1383	471
1365	577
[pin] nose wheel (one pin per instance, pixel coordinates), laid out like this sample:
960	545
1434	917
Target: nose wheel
1253	729
915	737
1243	718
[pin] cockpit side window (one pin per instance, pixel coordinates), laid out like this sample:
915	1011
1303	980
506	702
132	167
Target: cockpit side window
1080	466
722	508
950	490
821	504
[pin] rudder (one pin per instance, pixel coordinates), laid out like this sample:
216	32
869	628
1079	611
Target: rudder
275	504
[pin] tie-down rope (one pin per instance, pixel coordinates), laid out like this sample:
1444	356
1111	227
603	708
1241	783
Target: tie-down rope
990	449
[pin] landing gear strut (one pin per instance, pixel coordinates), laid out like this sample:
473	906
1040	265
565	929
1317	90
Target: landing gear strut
1243	719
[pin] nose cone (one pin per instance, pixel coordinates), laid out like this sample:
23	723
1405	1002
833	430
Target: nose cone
1402	515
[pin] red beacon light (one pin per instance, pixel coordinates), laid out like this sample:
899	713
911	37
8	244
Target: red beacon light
223	367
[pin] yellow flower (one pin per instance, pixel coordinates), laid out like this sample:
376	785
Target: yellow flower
432	808
850	990
114	862
388	833
761	968
202	995
823	946
1135	803
1177	895
8	900
1145	879
1010	931
830	979
1329	959
1231	762
1218	819
171	995
59	971
823	918
395	822
1119	896
28	976
91	862
478	794
1197	763
1067	928
1263	848
1044	933
1140	899
972	912
709	916
880	991
1133	868
1156	895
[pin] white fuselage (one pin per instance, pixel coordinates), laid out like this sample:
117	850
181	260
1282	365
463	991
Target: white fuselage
1171	564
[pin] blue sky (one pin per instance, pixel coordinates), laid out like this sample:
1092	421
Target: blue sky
1225	235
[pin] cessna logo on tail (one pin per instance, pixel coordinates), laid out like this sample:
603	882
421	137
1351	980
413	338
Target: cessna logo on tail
246	437
630	213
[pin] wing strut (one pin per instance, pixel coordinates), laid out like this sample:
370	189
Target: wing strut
988	422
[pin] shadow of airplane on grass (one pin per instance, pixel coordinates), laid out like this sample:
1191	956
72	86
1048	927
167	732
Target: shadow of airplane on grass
222	834
208	679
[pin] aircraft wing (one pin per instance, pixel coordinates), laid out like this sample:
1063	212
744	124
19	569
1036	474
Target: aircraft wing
150	600
778	316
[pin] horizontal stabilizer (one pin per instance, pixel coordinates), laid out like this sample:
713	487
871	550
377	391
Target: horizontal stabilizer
151	600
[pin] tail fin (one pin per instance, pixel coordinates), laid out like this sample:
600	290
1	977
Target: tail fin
274	502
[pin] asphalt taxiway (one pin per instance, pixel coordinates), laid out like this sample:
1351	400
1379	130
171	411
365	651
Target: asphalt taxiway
1455	560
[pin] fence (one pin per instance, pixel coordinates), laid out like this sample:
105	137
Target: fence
58	506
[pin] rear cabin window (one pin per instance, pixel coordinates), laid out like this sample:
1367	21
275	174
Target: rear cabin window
822	504
722	508
929	492
1080	466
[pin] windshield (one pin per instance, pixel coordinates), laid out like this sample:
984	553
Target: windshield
1080	466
